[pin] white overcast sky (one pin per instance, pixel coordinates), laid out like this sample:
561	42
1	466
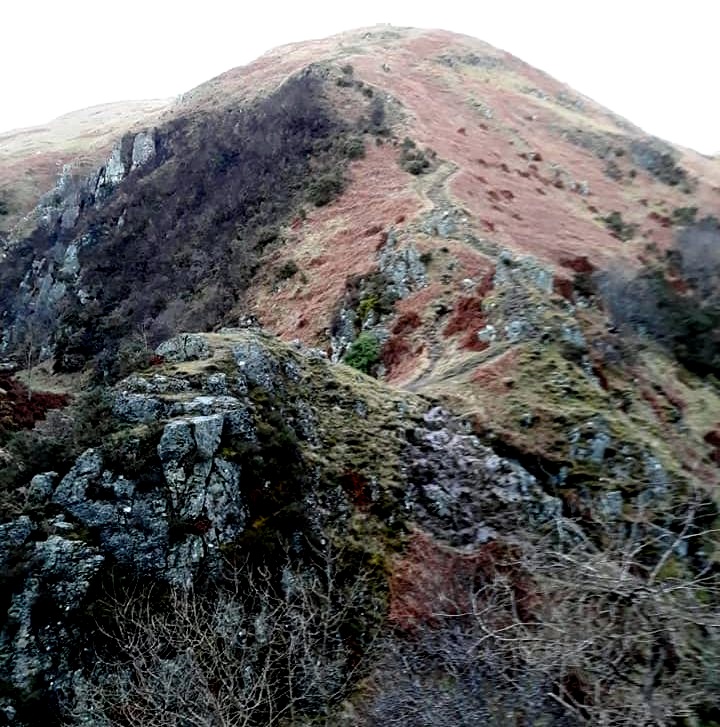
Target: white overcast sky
656	62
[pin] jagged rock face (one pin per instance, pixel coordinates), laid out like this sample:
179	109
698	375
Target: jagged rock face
195	493
62	206
38	641
187	347
130	525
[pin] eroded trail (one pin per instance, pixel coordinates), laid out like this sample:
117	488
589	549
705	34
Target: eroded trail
447	220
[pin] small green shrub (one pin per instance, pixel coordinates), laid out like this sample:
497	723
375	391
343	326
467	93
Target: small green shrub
364	353
415	166
325	188
377	121
684	216
622	230
354	148
288	270
413	160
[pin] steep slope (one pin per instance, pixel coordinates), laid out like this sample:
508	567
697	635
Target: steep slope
424	190
30	159
480	239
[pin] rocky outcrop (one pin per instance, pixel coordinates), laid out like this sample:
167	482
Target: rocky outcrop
184	347
53	277
403	268
179	482
457	486
38	640
400	272
61	206
231	443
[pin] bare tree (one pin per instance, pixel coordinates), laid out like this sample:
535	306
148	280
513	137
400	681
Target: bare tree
261	649
557	628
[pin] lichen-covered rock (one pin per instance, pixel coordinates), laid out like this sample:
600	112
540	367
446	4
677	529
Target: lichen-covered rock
131	524
143	149
403	269
343	333
41	487
224	505
240	423
456	484
522	271
207	431
71	263
176	441
203	405
589	442
13	535
155	384
216	384
609	505
115	166
184	347
130	407
38	635
257	365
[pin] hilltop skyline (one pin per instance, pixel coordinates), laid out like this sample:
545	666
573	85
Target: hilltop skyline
151	52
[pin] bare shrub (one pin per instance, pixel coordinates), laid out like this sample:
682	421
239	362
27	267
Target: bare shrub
697	252
260	648
676	304
556	630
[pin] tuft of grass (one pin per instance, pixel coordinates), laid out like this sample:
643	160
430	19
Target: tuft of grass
287	270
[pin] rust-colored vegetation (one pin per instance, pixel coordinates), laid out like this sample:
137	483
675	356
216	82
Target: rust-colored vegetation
431	581
20	408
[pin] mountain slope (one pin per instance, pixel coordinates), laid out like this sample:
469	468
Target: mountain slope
439	164
532	284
